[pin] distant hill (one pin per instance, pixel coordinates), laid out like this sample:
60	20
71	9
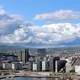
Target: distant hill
9	47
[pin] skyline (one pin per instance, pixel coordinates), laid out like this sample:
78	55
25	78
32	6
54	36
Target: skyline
41	23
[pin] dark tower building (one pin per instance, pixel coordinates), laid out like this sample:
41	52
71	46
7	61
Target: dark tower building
61	65
27	56
53	63
21	55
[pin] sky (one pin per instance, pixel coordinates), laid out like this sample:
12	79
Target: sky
40	23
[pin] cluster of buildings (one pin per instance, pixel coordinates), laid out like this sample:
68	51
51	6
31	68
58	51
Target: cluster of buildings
10	62
57	63
49	64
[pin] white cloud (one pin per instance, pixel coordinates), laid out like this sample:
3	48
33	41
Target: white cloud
2	11
14	30
16	17
59	15
46	34
8	22
17	36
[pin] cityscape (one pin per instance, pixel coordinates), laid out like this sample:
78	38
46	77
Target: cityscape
60	63
39	39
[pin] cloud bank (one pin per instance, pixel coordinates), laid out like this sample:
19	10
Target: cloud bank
46	34
13	30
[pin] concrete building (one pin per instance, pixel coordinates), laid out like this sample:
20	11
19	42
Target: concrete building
77	69
45	66
24	55
0	65
68	65
6	65
11	66
52	63
34	67
77	66
37	66
28	66
16	66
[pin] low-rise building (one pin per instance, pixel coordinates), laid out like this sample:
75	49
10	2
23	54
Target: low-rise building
28	66
11	66
16	66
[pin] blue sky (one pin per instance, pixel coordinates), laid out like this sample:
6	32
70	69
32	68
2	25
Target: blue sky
40	22
29	8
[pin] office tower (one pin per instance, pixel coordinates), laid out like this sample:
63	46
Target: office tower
53	63
27	56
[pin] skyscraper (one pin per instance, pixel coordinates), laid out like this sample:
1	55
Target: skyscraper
27	56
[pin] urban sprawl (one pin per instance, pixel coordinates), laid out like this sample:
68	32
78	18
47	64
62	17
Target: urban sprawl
55	60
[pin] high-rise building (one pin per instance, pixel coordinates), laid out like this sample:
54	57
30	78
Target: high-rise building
24	55
27	55
37	66
53	63
45	65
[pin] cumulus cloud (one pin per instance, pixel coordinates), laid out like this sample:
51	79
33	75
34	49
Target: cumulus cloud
59	15
46	34
2	11
8	22
17	36
13	30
